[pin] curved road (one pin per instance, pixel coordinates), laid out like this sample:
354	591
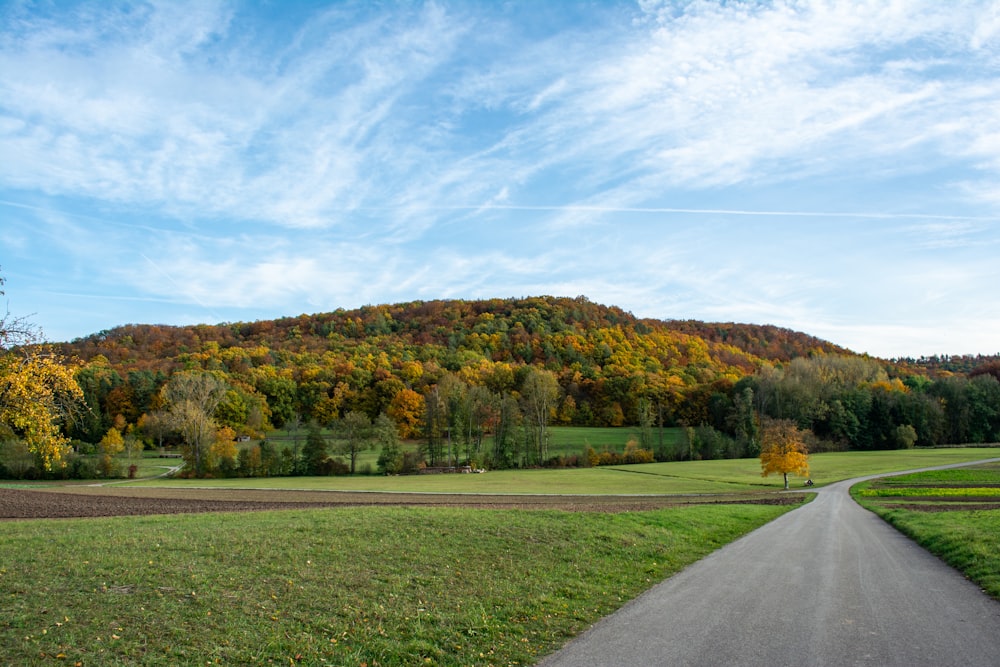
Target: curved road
826	584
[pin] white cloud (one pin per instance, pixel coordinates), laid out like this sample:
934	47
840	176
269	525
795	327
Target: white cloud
141	120
354	155
171	103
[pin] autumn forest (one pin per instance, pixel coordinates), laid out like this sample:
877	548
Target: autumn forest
479	383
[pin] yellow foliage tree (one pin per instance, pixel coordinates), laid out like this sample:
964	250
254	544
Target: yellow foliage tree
111	445
223	451
783	450
37	393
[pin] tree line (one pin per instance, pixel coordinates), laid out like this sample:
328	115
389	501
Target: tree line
481	382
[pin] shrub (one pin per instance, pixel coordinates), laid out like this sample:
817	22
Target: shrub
332	466
906	436
83	467
17	460
412	462
390	460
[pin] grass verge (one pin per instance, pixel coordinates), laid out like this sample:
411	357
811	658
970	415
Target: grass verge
375	586
967	539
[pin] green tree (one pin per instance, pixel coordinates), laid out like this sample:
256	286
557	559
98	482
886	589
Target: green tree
156	426
743	422
354	432
271	461
644	408
435	424
539	396
249	464
906	436
481	408
315	452
390	459
456	412
280	394
508	436
97	380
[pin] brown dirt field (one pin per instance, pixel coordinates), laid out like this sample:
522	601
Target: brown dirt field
89	501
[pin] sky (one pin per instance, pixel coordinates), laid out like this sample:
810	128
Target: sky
831	167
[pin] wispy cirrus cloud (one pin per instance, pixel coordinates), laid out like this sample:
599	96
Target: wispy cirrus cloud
175	104
666	157
131	116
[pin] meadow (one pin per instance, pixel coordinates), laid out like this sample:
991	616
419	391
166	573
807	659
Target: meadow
565	441
360	586
681	477
379	585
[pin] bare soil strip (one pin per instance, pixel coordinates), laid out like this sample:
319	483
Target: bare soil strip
90	501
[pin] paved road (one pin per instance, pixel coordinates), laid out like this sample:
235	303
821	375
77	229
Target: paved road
826	584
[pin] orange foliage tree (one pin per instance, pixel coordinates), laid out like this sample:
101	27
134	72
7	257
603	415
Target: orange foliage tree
783	449
406	409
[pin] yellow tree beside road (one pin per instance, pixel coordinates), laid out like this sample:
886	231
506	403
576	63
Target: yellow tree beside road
783	450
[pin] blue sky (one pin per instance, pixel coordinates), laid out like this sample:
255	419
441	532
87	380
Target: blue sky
831	167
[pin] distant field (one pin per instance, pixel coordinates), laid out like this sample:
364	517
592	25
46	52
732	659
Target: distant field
722	476
607	480
569	440
824	468
565	441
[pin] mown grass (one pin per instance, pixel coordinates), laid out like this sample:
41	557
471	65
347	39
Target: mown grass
968	540
974	475
824	468
601	481
933	492
564	441
375	586
569	440
723	476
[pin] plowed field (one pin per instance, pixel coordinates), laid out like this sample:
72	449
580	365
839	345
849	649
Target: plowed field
89	501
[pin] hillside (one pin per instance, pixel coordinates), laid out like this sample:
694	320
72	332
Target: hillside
452	371
552	331
605	360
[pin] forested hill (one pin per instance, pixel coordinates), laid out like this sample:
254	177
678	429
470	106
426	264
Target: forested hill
555	332
760	340
595	365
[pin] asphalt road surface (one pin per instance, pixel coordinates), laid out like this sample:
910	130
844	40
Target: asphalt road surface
826	584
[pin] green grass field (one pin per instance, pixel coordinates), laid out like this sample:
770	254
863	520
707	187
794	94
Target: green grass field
360	586
569	440
721	476
565	441
400	586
